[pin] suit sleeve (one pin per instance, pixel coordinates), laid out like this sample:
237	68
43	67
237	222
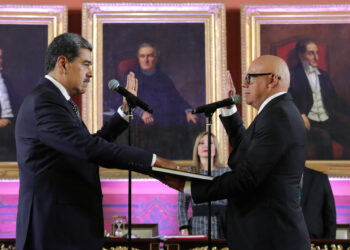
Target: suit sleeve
58	130
234	128
262	154
113	128
329	211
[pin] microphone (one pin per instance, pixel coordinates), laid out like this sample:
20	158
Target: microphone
115	86
211	107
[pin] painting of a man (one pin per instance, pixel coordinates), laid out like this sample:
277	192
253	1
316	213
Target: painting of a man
171	112
152	82
170	68
7	142
318	102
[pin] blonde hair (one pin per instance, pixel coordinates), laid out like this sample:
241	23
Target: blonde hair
196	161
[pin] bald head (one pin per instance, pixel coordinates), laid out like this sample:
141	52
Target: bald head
276	65
267	75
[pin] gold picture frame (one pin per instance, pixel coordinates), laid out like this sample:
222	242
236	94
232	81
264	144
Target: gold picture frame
264	28
28	29
97	17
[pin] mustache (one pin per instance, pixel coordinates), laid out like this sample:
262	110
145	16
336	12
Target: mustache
87	80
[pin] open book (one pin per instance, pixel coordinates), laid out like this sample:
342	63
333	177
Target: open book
184	174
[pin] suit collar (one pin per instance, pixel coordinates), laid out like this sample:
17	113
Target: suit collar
285	96
310	69
59	86
269	99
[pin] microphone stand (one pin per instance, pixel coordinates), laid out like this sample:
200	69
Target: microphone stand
131	105
208	116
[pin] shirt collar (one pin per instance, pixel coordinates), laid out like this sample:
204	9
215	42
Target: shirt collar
310	69
148	73
269	99
59	86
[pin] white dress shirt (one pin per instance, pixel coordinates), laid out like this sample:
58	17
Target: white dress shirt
5	106
318	112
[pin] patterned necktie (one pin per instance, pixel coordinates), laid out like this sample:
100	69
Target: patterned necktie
75	107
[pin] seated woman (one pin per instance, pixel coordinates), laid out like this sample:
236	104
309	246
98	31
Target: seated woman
198	224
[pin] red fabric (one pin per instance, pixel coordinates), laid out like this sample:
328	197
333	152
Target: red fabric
284	50
126	65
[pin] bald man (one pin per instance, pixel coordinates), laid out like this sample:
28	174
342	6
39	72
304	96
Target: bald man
267	162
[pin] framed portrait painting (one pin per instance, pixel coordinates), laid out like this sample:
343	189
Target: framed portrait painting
177	51
25	32
313	40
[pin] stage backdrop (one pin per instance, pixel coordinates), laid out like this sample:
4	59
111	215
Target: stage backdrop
155	204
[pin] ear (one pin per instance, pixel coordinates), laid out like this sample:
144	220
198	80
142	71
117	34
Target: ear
274	81
62	63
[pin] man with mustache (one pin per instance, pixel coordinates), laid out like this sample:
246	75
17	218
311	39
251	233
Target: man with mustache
60	198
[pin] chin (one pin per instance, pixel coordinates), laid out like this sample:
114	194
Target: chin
82	91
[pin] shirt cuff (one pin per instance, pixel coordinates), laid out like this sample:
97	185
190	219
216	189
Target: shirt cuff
228	112
122	114
187	188
154	159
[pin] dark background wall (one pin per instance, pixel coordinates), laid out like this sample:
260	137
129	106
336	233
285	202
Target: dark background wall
23	48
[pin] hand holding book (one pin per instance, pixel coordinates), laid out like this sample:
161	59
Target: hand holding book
161	173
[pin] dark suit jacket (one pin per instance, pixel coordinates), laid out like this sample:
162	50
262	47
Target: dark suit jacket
318	205
60	199
302	94
267	162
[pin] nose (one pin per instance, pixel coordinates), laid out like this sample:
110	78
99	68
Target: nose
316	56
245	84
89	72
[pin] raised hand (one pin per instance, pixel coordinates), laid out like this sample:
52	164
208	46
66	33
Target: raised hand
191	117
229	89
132	87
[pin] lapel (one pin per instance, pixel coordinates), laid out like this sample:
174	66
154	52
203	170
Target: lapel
303	81
62	99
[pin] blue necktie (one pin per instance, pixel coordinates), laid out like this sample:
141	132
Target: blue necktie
75	107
